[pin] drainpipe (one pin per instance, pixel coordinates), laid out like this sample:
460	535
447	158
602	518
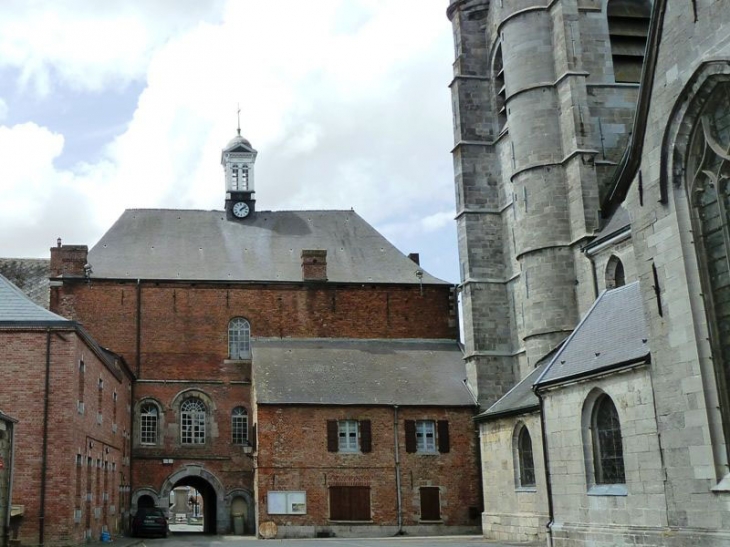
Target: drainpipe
44	456
6	533
138	365
399	499
546	460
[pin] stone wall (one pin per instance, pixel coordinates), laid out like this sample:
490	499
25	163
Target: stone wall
512	512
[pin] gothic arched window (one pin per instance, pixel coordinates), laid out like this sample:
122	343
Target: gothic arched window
148	423
708	173
239	338
524	458
608	453
628	28
239	425
192	421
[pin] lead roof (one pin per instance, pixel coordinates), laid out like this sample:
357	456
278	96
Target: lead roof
203	245
360	372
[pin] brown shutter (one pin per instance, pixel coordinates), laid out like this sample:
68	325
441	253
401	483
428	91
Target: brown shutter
333	443
410	435
430	505
443	436
366	438
360	502
349	502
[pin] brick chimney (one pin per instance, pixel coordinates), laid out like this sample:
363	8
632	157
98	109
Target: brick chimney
69	260
314	265
415	257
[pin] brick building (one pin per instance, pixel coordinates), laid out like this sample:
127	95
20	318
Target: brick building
361	437
71	399
186	297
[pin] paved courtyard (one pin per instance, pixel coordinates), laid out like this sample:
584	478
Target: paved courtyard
199	540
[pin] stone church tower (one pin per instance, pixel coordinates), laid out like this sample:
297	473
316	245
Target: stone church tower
544	95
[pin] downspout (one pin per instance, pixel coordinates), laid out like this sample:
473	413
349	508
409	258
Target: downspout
138	366
546	460
594	274
6	533
44	456
399	499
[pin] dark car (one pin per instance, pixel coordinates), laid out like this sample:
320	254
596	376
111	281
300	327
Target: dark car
149	521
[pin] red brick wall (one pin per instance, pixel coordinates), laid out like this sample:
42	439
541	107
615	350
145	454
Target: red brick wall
292	455
23	357
184	327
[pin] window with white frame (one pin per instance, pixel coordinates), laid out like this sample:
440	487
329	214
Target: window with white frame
347	435
148	420
425	436
239	425
239	338
192	421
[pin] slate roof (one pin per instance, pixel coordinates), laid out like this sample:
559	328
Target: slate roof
203	245
30	275
613	333
17	308
521	398
620	221
360	372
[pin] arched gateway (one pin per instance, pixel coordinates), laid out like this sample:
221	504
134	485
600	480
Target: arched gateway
218	507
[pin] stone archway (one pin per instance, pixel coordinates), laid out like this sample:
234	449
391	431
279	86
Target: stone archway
215	516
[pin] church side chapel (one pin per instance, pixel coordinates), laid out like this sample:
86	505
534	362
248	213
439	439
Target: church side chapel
591	181
278	355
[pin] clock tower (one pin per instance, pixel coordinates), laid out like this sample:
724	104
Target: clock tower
238	158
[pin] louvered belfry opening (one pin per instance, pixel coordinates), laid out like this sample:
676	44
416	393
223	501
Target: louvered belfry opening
499	88
628	27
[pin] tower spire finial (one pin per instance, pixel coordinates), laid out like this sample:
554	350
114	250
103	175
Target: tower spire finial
239	120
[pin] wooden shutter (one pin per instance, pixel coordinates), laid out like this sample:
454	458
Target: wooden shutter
443	436
333	442
410	435
349	502
430	504
366	439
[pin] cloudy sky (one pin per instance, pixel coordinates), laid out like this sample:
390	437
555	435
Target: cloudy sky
127	104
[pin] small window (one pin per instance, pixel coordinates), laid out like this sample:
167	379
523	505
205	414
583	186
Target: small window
524	458
427	436
347	434
148	420
430	503
608	457
351	436
239	425
239	339
349	503
192	421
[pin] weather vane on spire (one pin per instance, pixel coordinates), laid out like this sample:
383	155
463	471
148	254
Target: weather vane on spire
239	119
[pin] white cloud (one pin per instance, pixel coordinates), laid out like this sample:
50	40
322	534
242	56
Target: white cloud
3	109
347	106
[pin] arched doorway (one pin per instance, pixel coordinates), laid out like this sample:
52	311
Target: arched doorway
145	501
210	496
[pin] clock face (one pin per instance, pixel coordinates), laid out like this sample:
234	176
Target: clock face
240	209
